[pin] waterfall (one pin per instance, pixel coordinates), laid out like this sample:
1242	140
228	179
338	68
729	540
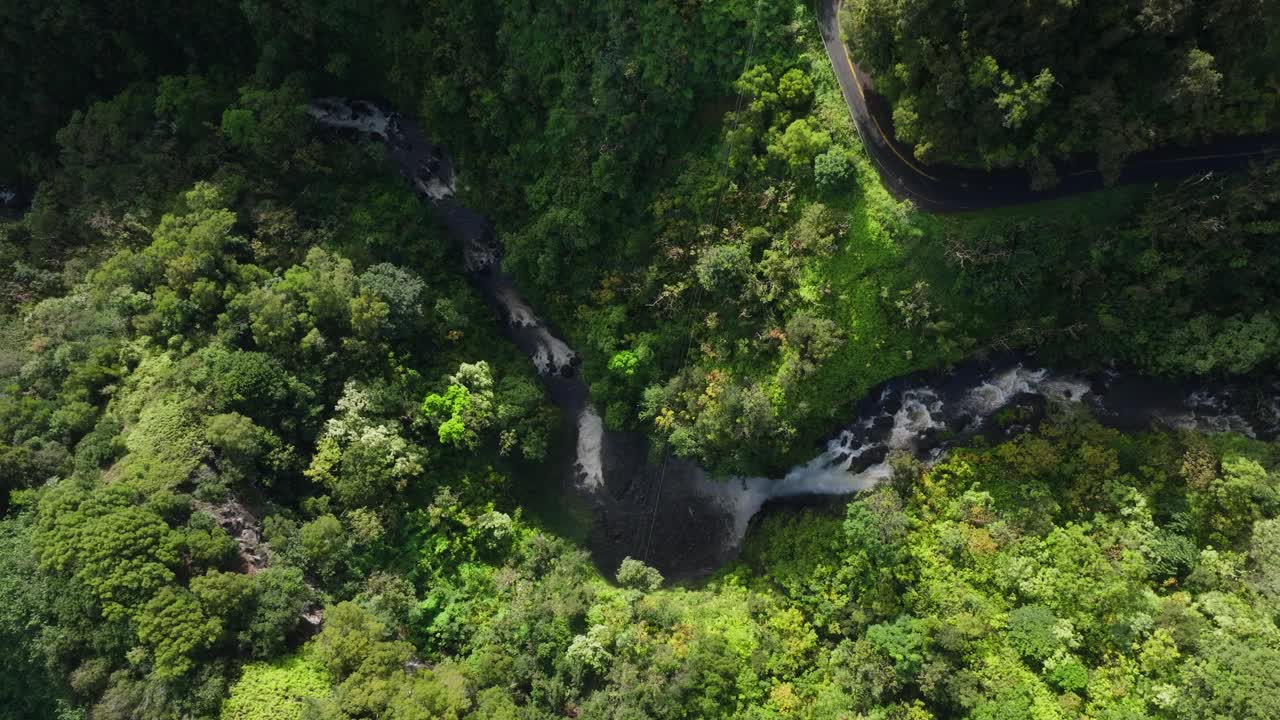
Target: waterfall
551	356
925	417
360	116
590	457
676	517
907	418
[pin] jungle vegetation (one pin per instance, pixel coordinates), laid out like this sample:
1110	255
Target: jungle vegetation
264	452
1023	84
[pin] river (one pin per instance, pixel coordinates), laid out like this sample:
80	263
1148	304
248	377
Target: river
686	524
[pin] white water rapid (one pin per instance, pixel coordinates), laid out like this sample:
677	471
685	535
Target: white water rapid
686	524
551	355
901	419
358	115
590	456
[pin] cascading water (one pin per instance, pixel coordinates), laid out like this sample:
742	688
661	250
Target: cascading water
13	201
908	418
590	458
686	524
552	355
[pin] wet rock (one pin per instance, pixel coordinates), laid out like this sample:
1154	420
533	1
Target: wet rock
668	513
252	552
313	616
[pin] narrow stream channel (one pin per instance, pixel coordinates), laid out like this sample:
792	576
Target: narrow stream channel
686	524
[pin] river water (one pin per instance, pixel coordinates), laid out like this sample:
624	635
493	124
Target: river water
686	524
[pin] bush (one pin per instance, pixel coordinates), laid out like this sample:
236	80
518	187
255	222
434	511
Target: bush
275	691
833	169
635	575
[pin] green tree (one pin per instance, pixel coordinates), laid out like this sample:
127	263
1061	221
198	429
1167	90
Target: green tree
27	687
267	123
636	575
175	628
190	102
903	641
1244	492
1264	553
795	89
1233	679
122	552
240	444
281	690
371	675
833	170
724	268
1198	86
224	595
992	91
798	145
369	316
624	363
523	417
1032	631
360	457
280	596
325	546
400	289
465	410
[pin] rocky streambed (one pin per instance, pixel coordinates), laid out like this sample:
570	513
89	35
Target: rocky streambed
676	518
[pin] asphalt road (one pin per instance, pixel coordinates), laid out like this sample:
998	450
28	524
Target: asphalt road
938	188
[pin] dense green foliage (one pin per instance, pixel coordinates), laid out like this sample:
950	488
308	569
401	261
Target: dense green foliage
1178	281
263	452
1074	573
1000	84
55	56
251	352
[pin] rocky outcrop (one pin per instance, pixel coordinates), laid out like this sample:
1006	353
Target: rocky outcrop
252	554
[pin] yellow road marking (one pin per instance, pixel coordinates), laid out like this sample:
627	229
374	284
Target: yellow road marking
909	163
854	74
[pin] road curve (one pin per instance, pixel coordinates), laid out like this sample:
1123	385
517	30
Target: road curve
941	188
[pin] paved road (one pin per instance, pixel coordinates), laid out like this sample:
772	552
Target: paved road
938	188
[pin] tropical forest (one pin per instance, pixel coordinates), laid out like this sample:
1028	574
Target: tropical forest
650	360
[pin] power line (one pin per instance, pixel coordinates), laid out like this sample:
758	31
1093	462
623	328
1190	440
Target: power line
724	177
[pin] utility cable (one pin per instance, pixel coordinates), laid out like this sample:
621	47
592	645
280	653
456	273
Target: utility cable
726	181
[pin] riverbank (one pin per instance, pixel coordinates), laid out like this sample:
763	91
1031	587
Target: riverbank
671	514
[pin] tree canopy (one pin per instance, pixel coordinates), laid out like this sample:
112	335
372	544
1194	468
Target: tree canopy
999	85
266	451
